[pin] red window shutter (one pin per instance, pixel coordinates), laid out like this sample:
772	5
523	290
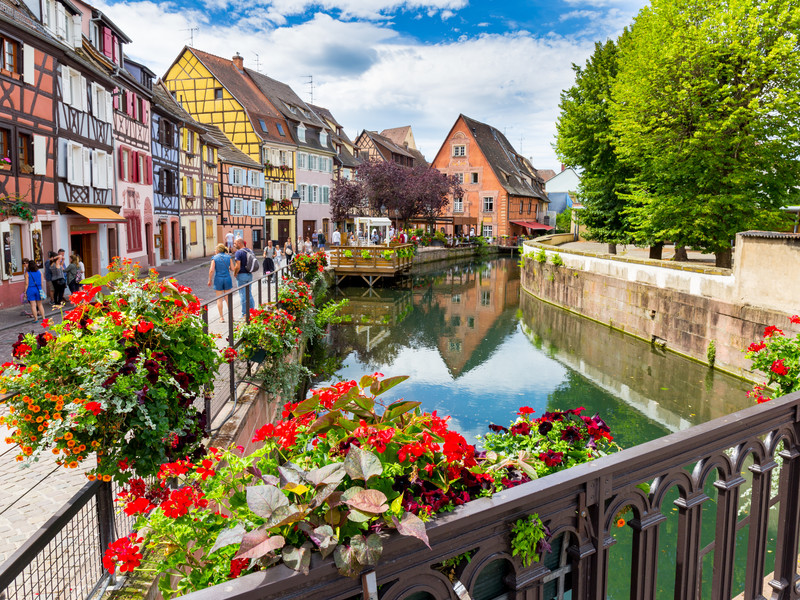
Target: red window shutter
133	160
122	174
108	42
149	173
114	56
116	99
128	103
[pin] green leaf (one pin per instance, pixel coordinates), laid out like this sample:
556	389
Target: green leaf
365	403
413	526
368	551
322	495
331	473
325	422
356	516
284	515
379	387
346	561
366	381
258	543
348	425
362	464
265	499
298	559
368	501
306	405
395	409
325	539
291	473
226	537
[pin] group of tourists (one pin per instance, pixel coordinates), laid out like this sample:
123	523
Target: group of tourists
61	276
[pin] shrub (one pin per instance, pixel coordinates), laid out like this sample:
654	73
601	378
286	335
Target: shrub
778	357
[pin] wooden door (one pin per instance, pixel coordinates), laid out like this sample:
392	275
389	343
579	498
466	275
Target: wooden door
283	231
308	229
163	233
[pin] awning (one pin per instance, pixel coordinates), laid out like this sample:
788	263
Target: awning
97	214
532	225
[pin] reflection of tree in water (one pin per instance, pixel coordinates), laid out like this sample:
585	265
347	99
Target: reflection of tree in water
628	426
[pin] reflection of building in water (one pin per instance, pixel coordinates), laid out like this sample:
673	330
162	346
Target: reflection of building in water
471	300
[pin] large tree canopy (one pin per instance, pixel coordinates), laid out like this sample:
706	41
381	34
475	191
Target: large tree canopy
706	108
585	140
389	188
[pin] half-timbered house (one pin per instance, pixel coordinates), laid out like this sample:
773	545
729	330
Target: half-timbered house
28	69
241	204
132	147
374	146
503	196
221	91
166	122
313	157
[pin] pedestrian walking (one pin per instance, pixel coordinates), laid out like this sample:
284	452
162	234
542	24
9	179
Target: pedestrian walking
220	271
321	241
243	274
269	259
33	289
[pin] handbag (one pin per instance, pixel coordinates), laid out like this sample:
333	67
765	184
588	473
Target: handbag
23	299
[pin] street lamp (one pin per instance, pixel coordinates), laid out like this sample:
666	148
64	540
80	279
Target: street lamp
296	205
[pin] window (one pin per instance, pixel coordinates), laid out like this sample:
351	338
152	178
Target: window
323	138
210	190
454	345
5	150
255	179
15	233
102	170
263	125
101	103
134	233
473	178
236	176
75	165
73	88
193	232
218	96
189	142
124	164
487	231
209	229
11	55
455	298
488	204
286	191
471	322
459	177
455	321
257	239
211	155
314	193
236	207
301	132
280	129
94	35
166	133
302	160
285	158
25	152
459	150
303	192
486	297
326	195
458	204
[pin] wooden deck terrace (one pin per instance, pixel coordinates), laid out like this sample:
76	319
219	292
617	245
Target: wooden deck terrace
371	263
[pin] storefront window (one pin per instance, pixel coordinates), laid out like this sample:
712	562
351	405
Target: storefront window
16	250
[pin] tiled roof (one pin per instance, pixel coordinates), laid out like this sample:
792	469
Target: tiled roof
774	235
328	116
228	152
515	172
546	174
242	87
377	138
283	97
397	134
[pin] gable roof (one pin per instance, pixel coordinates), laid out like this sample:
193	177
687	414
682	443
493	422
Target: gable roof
546	174
242	87
399	135
285	100
514	172
228	152
338	136
387	144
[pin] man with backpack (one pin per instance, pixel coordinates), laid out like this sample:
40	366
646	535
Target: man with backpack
246	264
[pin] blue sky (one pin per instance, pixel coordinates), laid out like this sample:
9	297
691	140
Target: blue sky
378	64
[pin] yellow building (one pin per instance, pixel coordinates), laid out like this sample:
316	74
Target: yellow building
219	91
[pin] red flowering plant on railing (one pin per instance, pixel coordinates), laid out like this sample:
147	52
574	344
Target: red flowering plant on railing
270	333
778	357
334	472
119	377
309	266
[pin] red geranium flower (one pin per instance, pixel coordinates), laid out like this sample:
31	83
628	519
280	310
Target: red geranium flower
756	347
124	551
144	326
93	407
779	368
769	331
795	319
525	410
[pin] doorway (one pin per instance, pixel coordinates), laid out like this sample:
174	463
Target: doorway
283	231
164	250
184	250
148	240
176	248
85	246
308	229
113	249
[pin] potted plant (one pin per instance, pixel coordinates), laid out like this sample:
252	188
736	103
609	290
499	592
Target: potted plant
267	335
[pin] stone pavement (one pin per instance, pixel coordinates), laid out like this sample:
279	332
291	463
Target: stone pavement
30	496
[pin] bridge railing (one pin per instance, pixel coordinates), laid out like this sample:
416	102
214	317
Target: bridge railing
703	513
397	257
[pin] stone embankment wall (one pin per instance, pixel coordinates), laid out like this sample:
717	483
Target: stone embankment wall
684	308
433	254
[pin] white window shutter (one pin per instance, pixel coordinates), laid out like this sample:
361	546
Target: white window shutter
95	170
62	168
87	166
47	6
70	159
77	34
230	175
39	154
66	85
28	65
109	106
61	21
109	171
82	100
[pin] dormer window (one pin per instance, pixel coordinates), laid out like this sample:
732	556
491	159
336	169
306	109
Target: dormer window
323	138
290	107
301	132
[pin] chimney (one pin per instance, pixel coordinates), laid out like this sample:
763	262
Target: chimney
238	61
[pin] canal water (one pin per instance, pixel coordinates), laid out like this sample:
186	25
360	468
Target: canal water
477	347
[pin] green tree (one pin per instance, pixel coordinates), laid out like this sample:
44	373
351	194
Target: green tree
706	105
586	140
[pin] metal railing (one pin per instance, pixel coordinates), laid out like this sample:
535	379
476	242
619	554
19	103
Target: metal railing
730	488
63	559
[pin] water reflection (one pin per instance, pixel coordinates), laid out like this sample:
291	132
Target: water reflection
477	351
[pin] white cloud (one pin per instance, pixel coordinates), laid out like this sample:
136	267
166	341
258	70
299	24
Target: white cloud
371	76
363	9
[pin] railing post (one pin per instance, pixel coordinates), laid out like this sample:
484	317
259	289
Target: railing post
644	567
687	572
725	538
759	523
788	526
105	518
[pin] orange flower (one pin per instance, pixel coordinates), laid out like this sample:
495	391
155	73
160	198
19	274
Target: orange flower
106	477
71	443
56	450
90	477
73	464
68	435
620	522
36	408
